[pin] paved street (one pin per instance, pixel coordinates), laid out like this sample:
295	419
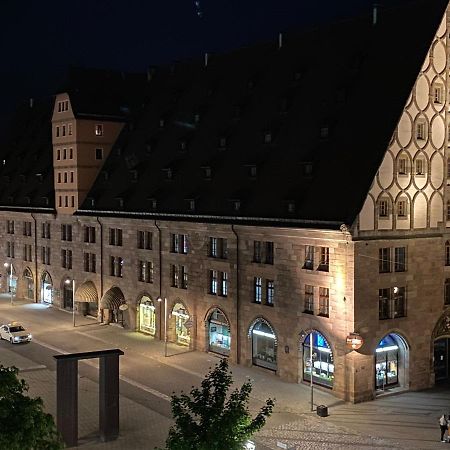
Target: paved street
148	379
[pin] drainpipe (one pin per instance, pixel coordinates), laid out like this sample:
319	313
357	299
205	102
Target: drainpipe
238	346
101	258
160	280
35	260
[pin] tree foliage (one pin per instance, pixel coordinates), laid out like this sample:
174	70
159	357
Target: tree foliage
23	423
211	418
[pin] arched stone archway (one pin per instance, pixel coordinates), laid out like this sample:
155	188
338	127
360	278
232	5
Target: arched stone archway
110	306
86	297
46	288
391	362
441	349
264	344
218	332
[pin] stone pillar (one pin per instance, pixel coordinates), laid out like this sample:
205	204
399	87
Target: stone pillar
109	397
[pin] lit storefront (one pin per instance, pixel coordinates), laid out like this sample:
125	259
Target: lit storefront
181	317
147	316
29	284
387	362
264	345
46	288
322	365
219	333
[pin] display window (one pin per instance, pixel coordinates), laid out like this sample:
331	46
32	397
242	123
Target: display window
181	317
320	363
147	316
264	346
47	289
386	364
29	285
219	333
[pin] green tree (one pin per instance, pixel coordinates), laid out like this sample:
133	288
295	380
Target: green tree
212	419
23	423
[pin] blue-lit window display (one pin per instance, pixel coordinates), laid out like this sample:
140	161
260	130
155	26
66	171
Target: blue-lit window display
264	346
386	365
322	364
219	333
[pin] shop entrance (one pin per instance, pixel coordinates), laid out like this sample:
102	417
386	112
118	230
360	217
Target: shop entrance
441	360
29	284
390	362
67	296
46	288
219	333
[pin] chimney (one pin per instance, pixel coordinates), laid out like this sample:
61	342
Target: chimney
375	14
280	40
31	102
206	59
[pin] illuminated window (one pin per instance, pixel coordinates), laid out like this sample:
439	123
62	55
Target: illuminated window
99	130
258	289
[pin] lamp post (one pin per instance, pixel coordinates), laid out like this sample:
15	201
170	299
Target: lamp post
10	280
165	323
73	298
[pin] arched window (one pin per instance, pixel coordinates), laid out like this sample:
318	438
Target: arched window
147	316
318	360
181	318
447	253
219	333
390	357
264	345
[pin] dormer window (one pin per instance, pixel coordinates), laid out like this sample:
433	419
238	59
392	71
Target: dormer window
91	200
191	204
307	169
99	130
45	200
27	200
267	137
105	175
324	132
153	203
223	142
237	205
120	202
252	171
207	172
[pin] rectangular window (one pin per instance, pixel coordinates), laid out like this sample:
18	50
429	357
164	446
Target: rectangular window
26	228
45	254
27	252
144	240
213	247
57	131
420	167
384	296
115	237
99	130
309	257
66	259
268	252
89	260
179	243
392	303
224	284
324	262
10	249
116	266
447	292
448	167
145	271
309	299
383	208
400	259
324	302
174	275
258	289
402	166
184	277
437	94
66	232
64	153
89	234
218	248
59	177
98	153
270	292
10	226
401	208
58	154
384	260
399	302
45	230
69	129
420	131
447	253
257	251
213	282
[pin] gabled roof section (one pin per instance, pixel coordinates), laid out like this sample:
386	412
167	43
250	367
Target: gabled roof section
314	117
26	165
107	94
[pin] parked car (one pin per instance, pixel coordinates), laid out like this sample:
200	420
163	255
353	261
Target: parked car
15	333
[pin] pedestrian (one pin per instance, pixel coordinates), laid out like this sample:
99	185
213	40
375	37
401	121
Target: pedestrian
443	423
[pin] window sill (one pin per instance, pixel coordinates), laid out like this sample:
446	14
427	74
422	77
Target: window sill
269	304
323	315
323	269
256	303
308	312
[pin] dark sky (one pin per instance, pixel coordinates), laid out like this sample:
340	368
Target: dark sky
39	39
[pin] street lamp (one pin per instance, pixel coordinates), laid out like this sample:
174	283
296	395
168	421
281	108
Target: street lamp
73	298
10	279
303	334
165	323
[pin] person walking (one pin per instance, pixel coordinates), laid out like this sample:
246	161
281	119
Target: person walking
443	423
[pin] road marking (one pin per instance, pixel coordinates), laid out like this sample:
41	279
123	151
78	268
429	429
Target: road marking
122	377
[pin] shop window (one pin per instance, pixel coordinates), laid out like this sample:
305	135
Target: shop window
219	333
147	316
309	299
181	317
309	257
318	362
264	346
387	362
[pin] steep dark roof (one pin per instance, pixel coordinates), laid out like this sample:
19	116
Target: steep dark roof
292	133
26	165
104	93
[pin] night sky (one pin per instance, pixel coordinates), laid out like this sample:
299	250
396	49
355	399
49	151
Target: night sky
40	39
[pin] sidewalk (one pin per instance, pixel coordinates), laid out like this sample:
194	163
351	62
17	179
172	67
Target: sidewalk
403	421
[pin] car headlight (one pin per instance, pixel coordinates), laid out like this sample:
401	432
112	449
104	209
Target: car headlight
16	338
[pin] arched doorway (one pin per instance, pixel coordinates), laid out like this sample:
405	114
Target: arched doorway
178	320
46	288
441	350
391	362
264	344
111	306
67	289
219	339
28	284
87	299
321	365
147	316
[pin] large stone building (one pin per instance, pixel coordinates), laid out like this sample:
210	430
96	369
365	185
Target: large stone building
288	190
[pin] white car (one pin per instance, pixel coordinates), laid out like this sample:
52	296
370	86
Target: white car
15	333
